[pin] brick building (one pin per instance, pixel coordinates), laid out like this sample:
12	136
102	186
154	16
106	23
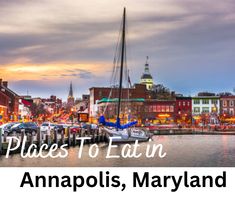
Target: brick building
159	111
4	105
138	91
7	95
227	105
183	109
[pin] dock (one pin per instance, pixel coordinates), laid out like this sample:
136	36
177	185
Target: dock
55	137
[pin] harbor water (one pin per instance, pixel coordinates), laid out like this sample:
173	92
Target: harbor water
181	151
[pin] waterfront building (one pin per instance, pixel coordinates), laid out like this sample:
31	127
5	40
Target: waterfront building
146	77
205	109
159	111
227	108
12	108
4	106
138	91
24	109
183	109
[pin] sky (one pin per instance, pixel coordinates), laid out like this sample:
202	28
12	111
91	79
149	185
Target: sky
46	44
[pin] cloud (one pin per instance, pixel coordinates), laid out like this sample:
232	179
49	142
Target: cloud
186	40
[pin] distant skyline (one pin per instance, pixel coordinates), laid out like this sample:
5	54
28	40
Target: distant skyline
44	45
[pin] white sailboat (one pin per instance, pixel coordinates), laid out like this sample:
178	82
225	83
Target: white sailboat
116	131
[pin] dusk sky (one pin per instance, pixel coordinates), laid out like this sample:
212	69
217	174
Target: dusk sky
45	44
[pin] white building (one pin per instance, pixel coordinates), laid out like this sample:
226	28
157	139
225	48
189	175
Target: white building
24	110
205	104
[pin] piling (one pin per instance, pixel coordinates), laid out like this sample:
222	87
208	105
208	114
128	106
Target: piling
74	139
39	137
62	136
69	140
55	136
5	137
22	137
48	140
98	135
30	139
93	136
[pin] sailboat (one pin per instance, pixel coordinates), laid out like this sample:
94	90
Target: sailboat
116	131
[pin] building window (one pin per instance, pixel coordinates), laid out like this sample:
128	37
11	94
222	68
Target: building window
205	110
163	108
196	101
179	103
214	101
167	108
231	112
158	108
150	108
100	94
183	103
171	108
224	103
231	103
154	108
205	101
188	103
146	108
196	109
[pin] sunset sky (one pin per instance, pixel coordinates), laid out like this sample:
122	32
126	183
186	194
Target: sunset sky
45	44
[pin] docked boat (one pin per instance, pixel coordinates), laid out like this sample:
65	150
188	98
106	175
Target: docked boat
127	132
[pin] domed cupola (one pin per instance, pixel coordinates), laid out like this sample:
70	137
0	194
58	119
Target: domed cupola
146	77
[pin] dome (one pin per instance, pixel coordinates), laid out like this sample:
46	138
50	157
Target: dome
146	76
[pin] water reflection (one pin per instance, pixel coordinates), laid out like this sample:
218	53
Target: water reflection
182	151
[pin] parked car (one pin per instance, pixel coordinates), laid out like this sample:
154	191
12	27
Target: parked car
6	127
46	127
59	128
27	127
75	129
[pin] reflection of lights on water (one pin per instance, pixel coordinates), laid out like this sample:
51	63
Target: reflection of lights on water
225	146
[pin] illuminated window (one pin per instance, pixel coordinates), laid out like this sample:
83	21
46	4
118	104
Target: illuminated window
196	109
154	108
158	108
171	108
231	112
167	108
163	108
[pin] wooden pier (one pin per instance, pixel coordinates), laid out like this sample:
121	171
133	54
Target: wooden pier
55	137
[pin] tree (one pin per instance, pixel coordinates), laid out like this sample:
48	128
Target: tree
38	109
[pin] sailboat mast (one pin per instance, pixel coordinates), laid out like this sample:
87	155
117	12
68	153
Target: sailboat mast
122	60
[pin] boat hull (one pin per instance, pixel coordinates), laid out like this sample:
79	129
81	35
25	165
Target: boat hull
125	135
